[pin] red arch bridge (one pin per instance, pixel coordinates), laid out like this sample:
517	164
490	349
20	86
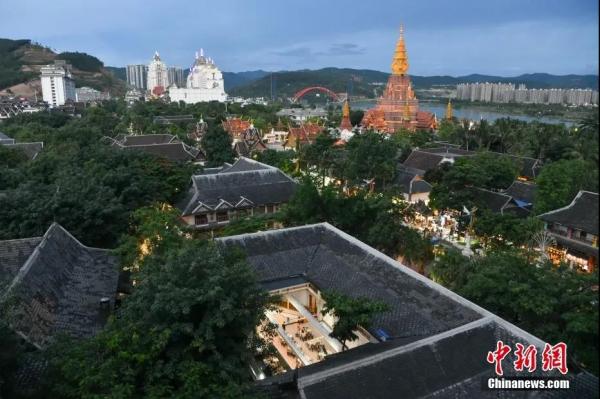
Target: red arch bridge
334	96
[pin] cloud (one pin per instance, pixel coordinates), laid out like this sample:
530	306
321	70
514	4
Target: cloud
343	49
300	52
334	50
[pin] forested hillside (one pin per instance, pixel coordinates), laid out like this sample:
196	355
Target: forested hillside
21	60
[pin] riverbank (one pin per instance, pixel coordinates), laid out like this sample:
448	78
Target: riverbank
538	111
491	112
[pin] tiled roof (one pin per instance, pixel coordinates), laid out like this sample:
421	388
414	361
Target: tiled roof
422	160
522	191
13	254
247	183
306	132
425	120
30	149
409	181
428	158
332	262
235	126
59	287
580	214
176	152
146	139
438	340
4	139
494	201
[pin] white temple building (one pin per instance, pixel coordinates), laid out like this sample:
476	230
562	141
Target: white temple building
158	78
204	83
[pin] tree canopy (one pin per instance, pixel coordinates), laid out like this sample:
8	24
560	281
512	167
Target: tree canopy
182	333
554	303
217	146
350	313
559	182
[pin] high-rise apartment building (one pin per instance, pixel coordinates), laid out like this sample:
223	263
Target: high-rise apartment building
506	93
137	76
158	79
176	76
58	85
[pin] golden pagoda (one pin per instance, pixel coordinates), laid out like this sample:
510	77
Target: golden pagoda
449	110
400	61
346	124
398	107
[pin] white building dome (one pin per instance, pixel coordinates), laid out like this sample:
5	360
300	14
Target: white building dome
204	83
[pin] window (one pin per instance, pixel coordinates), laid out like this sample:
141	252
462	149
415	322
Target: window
200	219
270	208
222	216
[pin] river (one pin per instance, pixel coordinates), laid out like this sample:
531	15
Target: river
467	112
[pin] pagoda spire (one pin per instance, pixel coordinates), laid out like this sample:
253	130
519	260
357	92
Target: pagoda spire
449	110
346	124
400	61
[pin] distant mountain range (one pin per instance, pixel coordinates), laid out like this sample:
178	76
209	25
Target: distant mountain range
370	83
20	61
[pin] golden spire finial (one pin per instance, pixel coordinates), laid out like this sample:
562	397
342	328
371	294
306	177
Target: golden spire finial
400	61
346	110
449	110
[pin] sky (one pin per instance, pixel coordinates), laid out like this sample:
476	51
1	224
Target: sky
443	37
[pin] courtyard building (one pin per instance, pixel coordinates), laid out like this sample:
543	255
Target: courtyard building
429	343
245	188
575	231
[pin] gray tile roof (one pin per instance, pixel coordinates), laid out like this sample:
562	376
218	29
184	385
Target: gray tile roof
580	214
332	262
4	139
522	191
176	152
146	139
410	182
439	339
494	201
58	288
428	158
30	149
13	254
164	145
247	183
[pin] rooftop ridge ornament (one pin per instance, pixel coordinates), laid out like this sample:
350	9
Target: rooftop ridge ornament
400	61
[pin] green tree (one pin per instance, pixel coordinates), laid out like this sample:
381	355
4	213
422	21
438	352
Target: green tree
370	156
559	182
182	333
11	353
283	160
217	146
484	170
554	303
504	230
586	135
351	313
